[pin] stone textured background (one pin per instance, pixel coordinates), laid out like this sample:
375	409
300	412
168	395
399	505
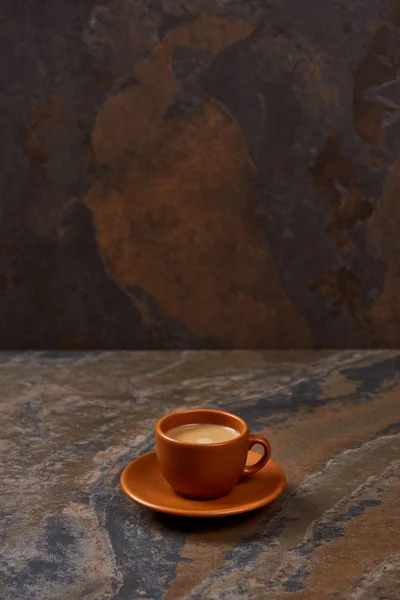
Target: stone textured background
72	421
200	174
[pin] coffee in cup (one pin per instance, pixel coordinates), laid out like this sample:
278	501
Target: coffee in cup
202	433
202	453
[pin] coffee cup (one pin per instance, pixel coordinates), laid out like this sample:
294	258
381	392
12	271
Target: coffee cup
211	464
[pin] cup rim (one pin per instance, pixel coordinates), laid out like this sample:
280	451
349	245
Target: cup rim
161	434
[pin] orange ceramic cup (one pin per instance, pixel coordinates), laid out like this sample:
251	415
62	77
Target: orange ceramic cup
206	470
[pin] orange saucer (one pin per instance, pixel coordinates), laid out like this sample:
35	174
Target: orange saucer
142	482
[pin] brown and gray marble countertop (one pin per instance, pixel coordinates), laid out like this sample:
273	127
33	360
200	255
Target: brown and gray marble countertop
71	422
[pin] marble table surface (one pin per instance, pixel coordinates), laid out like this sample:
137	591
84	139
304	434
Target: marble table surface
71	422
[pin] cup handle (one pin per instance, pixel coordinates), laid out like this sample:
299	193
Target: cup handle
257	439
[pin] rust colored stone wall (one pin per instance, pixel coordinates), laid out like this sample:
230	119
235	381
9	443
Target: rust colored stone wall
200	174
